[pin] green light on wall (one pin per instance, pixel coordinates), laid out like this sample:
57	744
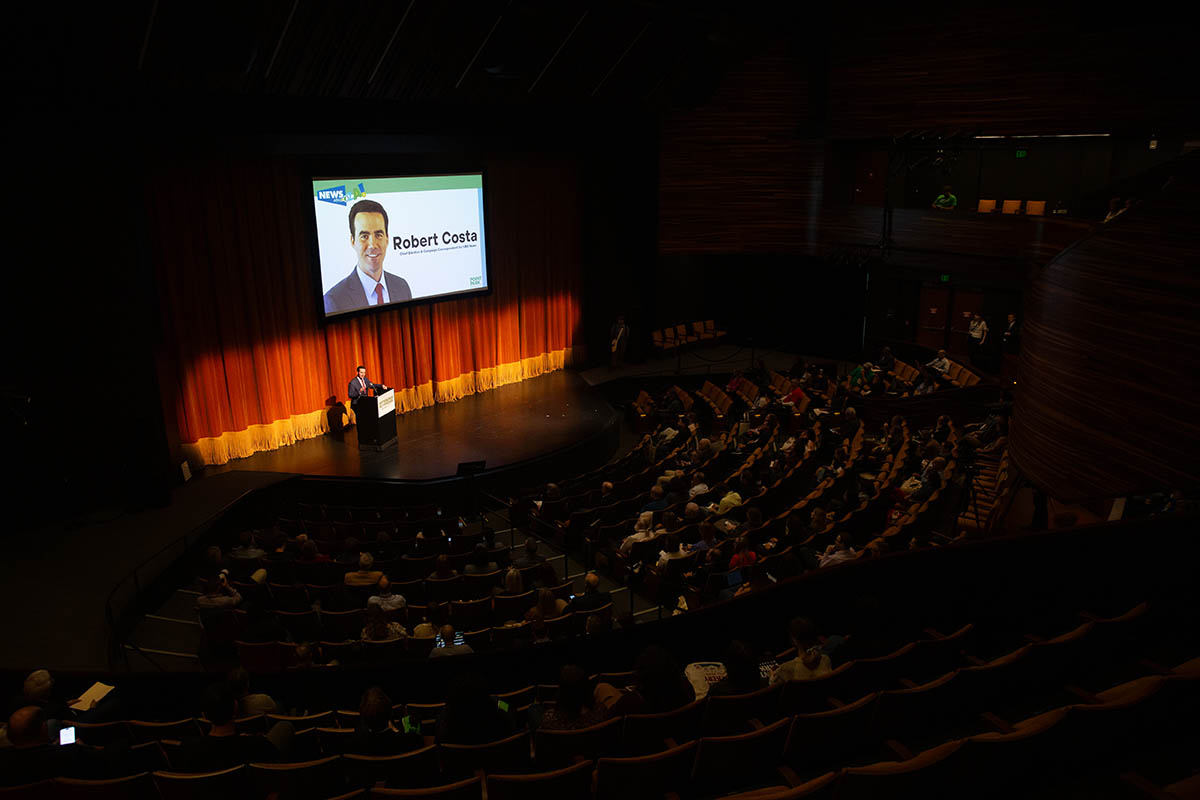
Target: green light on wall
945	277
1022	153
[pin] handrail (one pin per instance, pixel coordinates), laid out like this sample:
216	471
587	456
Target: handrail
116	633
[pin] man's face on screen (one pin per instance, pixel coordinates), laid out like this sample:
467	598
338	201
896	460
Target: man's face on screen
370	242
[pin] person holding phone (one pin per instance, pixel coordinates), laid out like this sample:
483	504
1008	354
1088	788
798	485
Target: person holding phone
450	643
35	752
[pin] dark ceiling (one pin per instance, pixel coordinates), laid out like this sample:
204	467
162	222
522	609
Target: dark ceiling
640	54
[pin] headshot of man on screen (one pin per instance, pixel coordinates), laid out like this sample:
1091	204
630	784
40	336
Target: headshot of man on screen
367	284
361	386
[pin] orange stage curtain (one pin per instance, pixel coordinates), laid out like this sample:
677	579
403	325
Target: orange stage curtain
246	364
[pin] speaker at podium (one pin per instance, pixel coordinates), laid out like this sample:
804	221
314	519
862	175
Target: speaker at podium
376	420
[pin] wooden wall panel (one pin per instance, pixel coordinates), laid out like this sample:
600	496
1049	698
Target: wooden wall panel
1009	69
1108	398
735	176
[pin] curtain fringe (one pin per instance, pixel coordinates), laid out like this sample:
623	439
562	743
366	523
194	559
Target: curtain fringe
282	432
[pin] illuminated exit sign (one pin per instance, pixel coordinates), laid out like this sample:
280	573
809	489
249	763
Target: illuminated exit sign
1022	153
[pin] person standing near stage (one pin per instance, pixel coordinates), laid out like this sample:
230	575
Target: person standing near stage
620	340
978	336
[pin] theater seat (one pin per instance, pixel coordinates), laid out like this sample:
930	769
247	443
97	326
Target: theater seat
986	206
1011	207
572	781
471	789
1035	208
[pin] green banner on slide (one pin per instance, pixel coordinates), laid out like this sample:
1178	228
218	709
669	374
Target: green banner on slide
372	186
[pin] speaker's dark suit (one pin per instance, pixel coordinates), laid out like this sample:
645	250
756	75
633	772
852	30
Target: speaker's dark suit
348	294
357	390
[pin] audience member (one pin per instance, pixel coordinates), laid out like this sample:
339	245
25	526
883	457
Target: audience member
810	661
546	576
481	561
672	550
377	628
592	597
886	361
658	499
224	747
375	735
742	674
350	552
442	569
743	555
730	501
366	574
435	616
837	552
548	606
218	594
448	647
940	363
32	757
529	556
385	598
249	703
576	705
660	685
514	584
642	531
247	548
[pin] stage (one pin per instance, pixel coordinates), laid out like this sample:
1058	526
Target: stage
551	420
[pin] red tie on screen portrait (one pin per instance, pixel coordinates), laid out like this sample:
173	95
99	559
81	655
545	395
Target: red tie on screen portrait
379	294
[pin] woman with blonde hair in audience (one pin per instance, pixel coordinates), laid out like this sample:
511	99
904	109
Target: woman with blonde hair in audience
514	584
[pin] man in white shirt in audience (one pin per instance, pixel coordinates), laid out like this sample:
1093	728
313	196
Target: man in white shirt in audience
940	364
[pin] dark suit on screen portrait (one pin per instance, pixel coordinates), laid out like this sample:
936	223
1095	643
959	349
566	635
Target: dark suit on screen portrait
347	294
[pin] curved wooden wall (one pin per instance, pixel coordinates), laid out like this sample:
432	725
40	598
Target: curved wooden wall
1108	398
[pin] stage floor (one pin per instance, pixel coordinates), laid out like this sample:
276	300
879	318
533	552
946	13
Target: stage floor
504	426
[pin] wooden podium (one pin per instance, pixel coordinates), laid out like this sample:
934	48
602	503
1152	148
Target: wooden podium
376	420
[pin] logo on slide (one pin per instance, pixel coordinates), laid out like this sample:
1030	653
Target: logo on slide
338	196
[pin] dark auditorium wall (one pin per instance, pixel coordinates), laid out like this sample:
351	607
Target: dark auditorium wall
744	172
1107	401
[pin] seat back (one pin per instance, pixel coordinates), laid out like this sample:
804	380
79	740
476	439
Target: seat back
100	734
340	626
1035	208
648	776
506	608
470	789
304	780
923	775
132	787
731	714
334	740
1011	207
226	783
828	739
301	625
412	770
444	589
571	781
986	206
557	748
724	763
470	615
506	756
140	731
